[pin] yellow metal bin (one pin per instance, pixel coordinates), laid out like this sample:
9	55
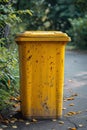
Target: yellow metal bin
41	56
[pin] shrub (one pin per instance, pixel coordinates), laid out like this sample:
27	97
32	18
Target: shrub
9	75
78	32
9	19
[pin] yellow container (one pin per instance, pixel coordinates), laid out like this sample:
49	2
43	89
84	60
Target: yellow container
41	55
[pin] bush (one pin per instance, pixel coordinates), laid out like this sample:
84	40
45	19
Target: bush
9	19
78	32
9	75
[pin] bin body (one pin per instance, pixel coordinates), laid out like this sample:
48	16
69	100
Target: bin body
41	56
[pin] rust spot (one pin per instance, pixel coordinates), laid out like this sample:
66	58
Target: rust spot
58	53
50	57
51	62
29	57
45	106
36	61
28	51
51	68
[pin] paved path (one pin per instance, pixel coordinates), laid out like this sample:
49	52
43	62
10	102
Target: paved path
75	99
76	84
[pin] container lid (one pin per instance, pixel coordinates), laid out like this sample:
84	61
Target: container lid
43	36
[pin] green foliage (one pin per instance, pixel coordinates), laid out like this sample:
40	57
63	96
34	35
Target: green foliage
6	1
81	5
9	77
8	68
9	19
79	32
4	99
8	15
49	14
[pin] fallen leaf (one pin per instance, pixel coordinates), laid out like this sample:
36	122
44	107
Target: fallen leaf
16	105
64	100
72	128
69	128
64	108
60	122
13	98
5	121
18	98
70	80
72	104
34	120
71	113
80	125
9	82
27	123
14	126
70	98
66	115
12	121
54	120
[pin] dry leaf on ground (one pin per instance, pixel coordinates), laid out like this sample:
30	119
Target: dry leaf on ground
72	104
64	108
5	121
70	80
71	113
72	128
16	105
70	98
27	123
14	127
34	120
54	120
61	122
80	125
